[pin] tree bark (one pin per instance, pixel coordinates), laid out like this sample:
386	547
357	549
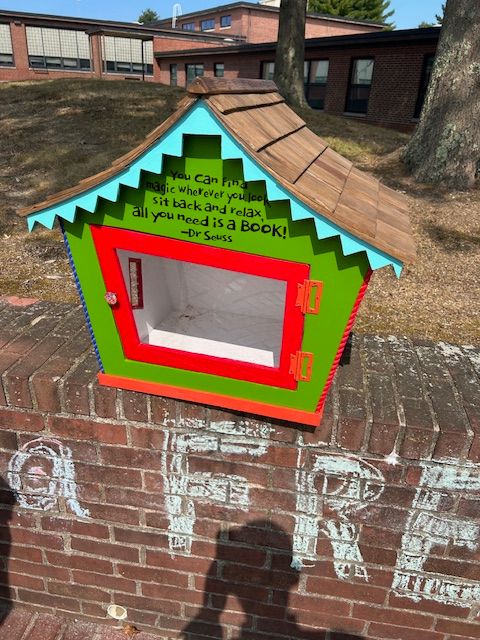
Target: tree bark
290	52
445	148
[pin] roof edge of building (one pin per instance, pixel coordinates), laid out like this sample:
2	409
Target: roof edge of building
261	7
381	37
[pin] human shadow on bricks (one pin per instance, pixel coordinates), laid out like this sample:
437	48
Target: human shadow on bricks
7	502
247	588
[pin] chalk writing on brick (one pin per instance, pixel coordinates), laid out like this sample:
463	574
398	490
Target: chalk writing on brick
41	473
183	488
427	528
344	484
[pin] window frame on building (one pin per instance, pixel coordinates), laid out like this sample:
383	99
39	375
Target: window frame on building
312	87
188	26
355	105
127	67
196	75
216	69
427	66
57	61
207	25
228	18
174	75
263	66
8	60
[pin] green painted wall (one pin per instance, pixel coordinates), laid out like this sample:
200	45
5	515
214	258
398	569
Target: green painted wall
201	198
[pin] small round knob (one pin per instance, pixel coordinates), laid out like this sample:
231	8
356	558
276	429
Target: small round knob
111	298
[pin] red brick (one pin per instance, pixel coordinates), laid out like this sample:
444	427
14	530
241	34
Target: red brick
277	456
211	585
392	616
20	420
16	380
109	476
48	600
36	539
156	604
319	605
168	592
135	406
114	551
144	438
114	514
20	580
428	606
88	529
8	440
35	569
190	564
13	627
133	498
309	619
77	591
163	411
98	579
46	627
105	401
345	590
383	437
76	561
88	430
156	575
133	458
253	473
147	538
385	631
31	554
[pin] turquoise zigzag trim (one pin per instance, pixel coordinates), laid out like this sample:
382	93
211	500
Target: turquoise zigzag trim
196	120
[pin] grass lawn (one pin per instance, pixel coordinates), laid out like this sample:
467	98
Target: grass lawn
54	133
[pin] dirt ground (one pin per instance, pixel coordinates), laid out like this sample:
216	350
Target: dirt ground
57	132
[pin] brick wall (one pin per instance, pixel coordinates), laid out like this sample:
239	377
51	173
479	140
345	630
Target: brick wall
395	84
197	520
257	25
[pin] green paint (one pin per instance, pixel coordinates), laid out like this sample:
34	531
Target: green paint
200	198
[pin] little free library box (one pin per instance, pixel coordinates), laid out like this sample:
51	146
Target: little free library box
224	259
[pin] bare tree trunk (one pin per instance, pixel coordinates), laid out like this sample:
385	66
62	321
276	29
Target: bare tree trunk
291	51
445	148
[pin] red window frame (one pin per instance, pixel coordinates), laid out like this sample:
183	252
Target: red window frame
108	240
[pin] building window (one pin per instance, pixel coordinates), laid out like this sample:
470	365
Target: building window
424	80
193	70
58	49
207	25
219	69
6	51
225	21
316	74
173	75
188	26
268	69
359	86
124	55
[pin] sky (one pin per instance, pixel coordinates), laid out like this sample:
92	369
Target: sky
408	13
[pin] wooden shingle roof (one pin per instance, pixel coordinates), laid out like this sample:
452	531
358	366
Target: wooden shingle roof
256	115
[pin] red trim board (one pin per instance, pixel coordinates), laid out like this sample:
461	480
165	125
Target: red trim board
217	400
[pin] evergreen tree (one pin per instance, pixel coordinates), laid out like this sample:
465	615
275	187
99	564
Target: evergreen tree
374	10
440	17
147	16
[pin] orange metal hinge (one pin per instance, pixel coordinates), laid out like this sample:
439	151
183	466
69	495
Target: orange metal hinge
304	296
301	365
